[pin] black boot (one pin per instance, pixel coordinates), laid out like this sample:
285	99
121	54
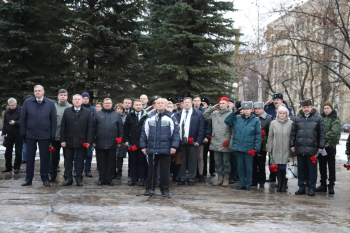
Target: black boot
330	189
279	179
52	178
322	188
119	174
272	177
79	181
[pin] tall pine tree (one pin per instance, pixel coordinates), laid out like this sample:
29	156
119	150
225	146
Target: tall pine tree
104	47
186	47
32	47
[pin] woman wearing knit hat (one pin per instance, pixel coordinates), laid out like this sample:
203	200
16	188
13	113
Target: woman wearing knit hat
278	144
333	131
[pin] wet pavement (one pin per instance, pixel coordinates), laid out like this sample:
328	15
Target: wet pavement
200	208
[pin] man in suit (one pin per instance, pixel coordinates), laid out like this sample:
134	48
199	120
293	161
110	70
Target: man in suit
132	133
38	122
76	137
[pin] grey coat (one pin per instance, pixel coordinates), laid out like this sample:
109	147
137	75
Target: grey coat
220	131
278	140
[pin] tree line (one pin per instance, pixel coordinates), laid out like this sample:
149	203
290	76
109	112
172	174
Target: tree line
116	48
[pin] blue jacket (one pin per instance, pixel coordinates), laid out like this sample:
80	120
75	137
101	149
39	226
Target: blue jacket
90	107
160	134
197	126
38	121
246	132
208	125
271	110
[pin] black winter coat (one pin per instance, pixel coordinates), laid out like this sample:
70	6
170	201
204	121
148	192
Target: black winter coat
38	121
308	134
208	125
265	121
197	125
133	129
12	114
76	127
107	125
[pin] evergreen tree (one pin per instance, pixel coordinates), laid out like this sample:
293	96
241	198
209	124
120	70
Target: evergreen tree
31	47
186	47
104	47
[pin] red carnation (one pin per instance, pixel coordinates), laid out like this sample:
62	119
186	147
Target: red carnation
251	152
224	144
262	132
129	148
52	149
119	140
313	159
85	144
274	168
209	138
134	148
190	140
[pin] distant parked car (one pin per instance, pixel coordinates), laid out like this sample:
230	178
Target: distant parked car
345	127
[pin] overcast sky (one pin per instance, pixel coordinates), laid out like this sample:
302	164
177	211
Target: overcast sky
246	16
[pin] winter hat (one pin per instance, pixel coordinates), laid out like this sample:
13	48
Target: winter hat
259	105
247	104
328	103
85	94
205	100
231	100
283	109
306	103
277	96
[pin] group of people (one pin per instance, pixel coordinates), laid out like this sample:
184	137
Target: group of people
165	139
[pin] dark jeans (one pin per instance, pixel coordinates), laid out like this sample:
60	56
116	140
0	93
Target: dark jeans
211	160
18	142
323	160
78	164
55	158
106	164
259	175
24	152
164	162
137	165
190	156
307	172
233	162
44	158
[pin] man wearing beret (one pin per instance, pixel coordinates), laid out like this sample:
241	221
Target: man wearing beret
307	137
221	140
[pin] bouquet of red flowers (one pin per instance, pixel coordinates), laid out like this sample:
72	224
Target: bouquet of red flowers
119	140
251	152
347	165
224	144
85	145
314	158
190	140
132	148
274	168
52	149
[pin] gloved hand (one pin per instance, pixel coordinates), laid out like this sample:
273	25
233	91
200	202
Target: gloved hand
237	112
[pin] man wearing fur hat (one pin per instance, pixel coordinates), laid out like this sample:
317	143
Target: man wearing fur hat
221	140
333	132
306	139
259	160
271	106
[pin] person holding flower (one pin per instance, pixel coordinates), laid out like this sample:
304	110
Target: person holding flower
306	139
220	140
192	130
278	144
246	141
75	137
